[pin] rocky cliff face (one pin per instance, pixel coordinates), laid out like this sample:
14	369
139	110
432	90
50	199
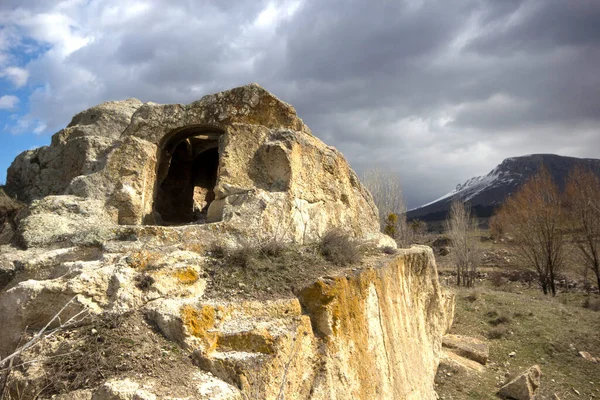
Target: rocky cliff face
115	285
362	333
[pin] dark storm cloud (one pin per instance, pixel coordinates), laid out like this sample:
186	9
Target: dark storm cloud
437	91
543	25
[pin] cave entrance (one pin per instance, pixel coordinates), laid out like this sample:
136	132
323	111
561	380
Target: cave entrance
187	176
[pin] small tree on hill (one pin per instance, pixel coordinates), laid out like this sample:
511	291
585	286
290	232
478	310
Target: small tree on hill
391	225
387	194
535	219
418	227
463	232
582	198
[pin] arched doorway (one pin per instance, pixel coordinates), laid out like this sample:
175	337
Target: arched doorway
187	175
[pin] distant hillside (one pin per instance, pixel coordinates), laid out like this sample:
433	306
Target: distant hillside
485	193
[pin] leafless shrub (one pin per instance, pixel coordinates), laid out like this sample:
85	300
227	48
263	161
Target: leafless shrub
496	279
46	332
464	234
418	227
273	248
242	256
338	248
521	275
497	228
6	364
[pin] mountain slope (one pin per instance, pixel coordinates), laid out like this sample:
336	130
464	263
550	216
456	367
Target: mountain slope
487	192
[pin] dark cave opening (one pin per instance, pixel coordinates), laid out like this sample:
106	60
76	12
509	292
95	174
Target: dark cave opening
187	188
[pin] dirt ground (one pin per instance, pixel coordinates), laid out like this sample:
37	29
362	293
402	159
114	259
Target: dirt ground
124	346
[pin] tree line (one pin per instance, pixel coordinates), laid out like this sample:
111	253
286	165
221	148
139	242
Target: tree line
540	219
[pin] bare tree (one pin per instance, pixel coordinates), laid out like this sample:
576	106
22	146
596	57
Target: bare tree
534	217
496	227
582	198
463	231
387	194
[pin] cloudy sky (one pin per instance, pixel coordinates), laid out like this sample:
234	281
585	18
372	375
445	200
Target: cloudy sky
435	90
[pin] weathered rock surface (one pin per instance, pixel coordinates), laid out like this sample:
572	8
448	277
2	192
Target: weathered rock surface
461	355
468	347
241	159
452	362
524	387
66	219
374	332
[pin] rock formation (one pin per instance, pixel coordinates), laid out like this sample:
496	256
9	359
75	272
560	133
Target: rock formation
109	286
241	159
523	387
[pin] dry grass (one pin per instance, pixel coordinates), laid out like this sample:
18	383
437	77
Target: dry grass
501	319
114	346
539	329
591	303
473	296
338	248
276	268
260	272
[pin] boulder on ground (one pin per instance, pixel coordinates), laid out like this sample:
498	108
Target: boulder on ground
468	347
453	362
523	387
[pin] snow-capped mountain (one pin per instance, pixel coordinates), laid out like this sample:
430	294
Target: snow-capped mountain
487	192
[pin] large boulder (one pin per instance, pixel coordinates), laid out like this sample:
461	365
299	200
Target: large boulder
241	159
523	387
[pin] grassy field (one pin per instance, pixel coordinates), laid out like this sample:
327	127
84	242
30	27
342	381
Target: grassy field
539	329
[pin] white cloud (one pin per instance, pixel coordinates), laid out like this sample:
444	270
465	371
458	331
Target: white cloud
18	76
8	102
40	128
55	28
